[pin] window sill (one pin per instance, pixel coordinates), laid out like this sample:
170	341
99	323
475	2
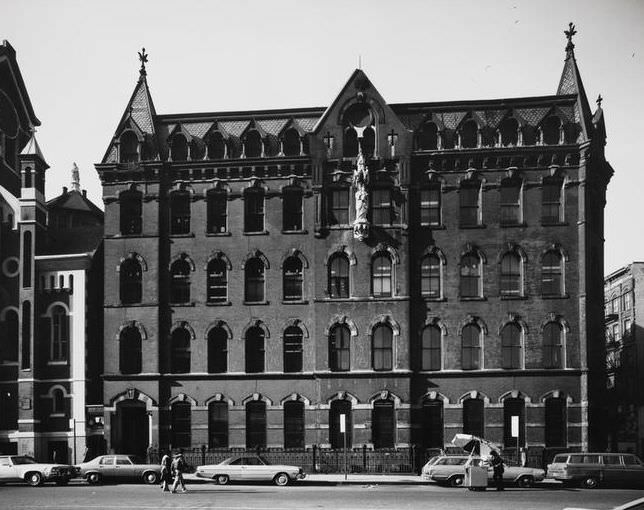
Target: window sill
8	363
257	303
218	303
129	305
555	224
468	227
513	225
556	296
434	299
57	415
512	298
262	233
295	302
218	234
192	303
57	363
433	227
290	232
188	235
477	298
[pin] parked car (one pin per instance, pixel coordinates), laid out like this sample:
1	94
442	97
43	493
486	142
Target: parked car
250	468
590	470
21	468
450	469
118	468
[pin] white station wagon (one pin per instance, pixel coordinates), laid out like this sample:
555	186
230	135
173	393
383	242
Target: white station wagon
21	468
246	468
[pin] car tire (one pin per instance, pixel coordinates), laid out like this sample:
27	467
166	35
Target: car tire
222	479
456	481
590	482
526	482
93	478
150	477
34	478
281	479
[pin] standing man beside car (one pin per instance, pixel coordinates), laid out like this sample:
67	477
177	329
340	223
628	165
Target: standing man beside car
498	468
178	467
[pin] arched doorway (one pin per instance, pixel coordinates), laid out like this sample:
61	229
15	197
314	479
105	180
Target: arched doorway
130	428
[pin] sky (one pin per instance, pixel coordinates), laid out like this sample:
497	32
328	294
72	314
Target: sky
80	64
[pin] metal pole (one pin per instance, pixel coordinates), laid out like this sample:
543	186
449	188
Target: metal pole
345	453
74	441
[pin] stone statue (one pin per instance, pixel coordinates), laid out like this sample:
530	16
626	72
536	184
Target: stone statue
360	182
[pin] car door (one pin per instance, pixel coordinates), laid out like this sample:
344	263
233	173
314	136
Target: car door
123	468
255	469
613	469
7	471
234	469
106	467
633	470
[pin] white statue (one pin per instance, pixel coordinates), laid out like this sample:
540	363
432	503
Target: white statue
360	182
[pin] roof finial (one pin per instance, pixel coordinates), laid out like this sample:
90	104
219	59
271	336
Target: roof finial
569	35
599	101
359	61
75	178
143	57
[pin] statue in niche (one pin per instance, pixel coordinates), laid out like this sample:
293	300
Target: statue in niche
360	183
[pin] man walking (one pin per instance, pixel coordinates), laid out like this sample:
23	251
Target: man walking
178	467
498	468
166	474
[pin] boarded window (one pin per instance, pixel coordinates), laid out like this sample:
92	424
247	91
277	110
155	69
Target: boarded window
384	427
218	425
217	350
432	420
181	425
294	424
130	351
256	424
254	350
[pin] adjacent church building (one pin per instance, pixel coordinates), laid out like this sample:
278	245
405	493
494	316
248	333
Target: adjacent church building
422	269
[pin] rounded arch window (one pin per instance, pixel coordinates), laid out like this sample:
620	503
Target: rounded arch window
509	132
180	351
469	135
368	142
130	276
551	129
253	144
216	146
130	350
179	150
291	143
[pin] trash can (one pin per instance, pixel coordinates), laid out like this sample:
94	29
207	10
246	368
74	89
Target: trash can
475	478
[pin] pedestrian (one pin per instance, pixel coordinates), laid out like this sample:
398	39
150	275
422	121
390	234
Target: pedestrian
178	467
523	456
166	472
498	468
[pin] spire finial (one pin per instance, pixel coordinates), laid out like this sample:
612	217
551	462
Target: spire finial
569	35
143	58
599	101
75	178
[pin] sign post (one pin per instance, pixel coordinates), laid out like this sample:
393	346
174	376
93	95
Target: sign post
343	431
514	430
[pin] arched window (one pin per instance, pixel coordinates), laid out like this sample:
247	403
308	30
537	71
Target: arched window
511	274
293	424
253	144
180	351
513	407
511	346
338	286
431	356
511	213
350	143
381	275
471	276
57	402
26	259
291	143
256	424
474	417
427	137
551	130
339	348
292	279
293	349
216	146
469	135
339	206
470	203
218	425
130	351
59	339
432	420
217	281
552	345
217	351
552	274
254	210
180	281
552	201
336	437
382	207
254	285
131	211
9	347
556	423
430	276
382	347
254	350
217	205
129	147
430	205
384	428
179	149
471	347
368	142
181	436
130	281
509	130
292	209
179	212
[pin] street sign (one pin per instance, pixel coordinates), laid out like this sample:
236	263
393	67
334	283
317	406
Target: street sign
514	426
343	423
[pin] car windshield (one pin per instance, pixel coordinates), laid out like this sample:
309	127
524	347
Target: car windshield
255	460
22	460
135	459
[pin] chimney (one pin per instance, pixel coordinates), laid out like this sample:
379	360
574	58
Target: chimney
64	190
85	193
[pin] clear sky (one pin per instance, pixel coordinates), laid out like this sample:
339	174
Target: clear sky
79	61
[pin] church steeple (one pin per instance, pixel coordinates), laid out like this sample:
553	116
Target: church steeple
570	82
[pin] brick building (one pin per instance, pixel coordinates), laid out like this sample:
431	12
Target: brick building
624	306
50	294
423	269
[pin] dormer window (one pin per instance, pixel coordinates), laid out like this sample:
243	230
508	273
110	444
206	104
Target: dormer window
129	148
427	137
253	144
552	131
469	135
179	151
291	143
509	131
216	146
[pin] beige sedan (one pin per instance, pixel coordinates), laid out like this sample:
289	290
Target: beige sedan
246	468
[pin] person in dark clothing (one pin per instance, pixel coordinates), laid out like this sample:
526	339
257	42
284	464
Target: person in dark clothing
498	468
166	472
178	468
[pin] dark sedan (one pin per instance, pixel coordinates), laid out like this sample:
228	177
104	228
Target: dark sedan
118	468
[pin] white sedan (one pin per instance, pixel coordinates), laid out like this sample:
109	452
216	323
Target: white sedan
21	468
247	468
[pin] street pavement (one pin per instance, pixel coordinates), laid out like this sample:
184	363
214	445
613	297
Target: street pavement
372	492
